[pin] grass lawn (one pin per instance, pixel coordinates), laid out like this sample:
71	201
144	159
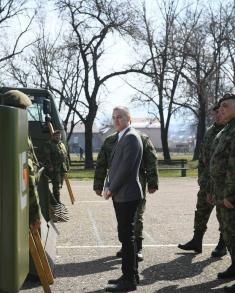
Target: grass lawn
89	174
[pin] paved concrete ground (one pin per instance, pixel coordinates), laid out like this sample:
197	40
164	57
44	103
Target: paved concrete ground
87	244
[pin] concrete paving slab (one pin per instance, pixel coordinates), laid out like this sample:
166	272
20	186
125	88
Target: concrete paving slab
87	244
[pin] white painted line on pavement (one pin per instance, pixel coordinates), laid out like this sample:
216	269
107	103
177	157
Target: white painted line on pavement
92	201
117	246
96	232
149	237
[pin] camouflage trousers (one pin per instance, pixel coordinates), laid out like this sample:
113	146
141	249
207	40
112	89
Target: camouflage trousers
57	179
34	208
139	219
228	228
203	212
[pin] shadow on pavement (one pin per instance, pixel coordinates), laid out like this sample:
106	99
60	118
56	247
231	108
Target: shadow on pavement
87	268
202	288
179	268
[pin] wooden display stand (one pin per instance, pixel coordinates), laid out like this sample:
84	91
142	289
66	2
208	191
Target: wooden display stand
40	261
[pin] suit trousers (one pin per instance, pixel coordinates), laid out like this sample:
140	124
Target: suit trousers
125	214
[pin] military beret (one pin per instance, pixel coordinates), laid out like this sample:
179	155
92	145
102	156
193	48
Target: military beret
227	96
15	98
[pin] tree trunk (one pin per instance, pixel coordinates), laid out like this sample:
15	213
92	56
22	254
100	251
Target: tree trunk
201	128
88	145
165	147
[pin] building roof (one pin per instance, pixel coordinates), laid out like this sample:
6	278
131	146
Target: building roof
80	128
144	123
136	122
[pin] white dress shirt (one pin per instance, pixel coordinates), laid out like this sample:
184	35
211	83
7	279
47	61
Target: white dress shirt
120	134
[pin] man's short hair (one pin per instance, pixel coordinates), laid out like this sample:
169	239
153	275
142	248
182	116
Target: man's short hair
124	110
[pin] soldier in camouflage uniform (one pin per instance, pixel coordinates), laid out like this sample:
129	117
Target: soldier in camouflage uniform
222	172
56	164
203	207
148	174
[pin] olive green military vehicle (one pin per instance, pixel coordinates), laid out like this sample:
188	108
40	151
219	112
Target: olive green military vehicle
15	126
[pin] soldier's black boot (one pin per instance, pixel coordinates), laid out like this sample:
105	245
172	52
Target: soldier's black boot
229	273
220	250
194	244
139	250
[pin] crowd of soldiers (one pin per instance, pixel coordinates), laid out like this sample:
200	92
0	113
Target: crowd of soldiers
216	179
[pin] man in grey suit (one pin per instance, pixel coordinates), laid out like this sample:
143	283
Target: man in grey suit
124	187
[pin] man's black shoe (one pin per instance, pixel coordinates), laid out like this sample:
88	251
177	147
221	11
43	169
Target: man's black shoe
230	289
119	253
123	285
228	274
116	281
191	245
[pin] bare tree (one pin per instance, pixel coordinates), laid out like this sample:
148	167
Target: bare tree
56	68
90	24
203	66
10	10
71	67
229	66
166	44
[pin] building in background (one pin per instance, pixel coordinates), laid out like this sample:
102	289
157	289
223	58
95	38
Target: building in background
145	125
181	137
77	139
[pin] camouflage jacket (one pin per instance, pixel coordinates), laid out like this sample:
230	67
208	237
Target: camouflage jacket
33	167
222	164
56	156
205	155
148	169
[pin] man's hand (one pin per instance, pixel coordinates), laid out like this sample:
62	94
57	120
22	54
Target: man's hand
107	193
98	192
152	190
35	225
228	204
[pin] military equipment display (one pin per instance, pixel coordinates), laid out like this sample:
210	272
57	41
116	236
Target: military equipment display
16	125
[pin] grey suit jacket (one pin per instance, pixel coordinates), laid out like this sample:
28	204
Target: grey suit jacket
123	176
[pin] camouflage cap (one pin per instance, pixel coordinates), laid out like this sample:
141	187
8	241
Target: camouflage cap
226	96
15	98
